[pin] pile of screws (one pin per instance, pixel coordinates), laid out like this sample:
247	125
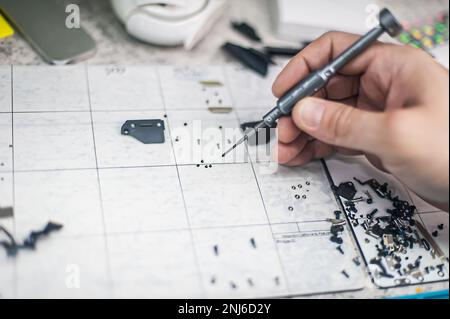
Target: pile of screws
299	187
203	163
394	233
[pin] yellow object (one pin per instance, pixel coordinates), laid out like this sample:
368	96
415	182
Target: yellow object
419	290
427	43
428	30
5	28
416	34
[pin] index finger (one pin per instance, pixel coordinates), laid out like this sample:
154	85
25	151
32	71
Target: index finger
317	55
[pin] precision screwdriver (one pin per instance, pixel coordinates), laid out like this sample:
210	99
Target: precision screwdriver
319	79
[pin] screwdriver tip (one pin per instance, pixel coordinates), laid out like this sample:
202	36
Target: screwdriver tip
225	154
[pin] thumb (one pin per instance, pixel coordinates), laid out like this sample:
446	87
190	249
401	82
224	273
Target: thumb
340	125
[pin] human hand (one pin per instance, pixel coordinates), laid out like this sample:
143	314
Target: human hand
390	104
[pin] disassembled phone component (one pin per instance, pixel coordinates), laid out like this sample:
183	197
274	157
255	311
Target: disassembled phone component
220	109
246	30
438	251
283	51
337	214
10	243
34	236
6	212
369	198
145	131
257	59
211	83
383	272
372	214
263	136
12	247
336	230
388	241
346	190
381	190
402	281
253	242
251	58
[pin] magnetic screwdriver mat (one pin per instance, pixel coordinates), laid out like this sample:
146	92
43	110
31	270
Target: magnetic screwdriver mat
149	221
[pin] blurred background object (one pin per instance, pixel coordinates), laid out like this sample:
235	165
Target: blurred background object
5	29
169	22
425	22
300	20
115	45
52	29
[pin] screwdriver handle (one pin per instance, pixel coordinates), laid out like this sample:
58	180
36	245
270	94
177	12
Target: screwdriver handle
307	87
319	79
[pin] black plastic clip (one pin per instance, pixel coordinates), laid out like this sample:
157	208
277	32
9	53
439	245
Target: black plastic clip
145	131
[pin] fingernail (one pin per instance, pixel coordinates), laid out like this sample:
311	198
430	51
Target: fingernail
311	114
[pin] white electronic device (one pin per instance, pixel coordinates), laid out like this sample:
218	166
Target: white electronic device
303	20
169	22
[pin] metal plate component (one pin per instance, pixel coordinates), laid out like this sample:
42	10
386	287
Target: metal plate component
437	251
6	212
263	136
211	83
220	110
346	190
145	131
